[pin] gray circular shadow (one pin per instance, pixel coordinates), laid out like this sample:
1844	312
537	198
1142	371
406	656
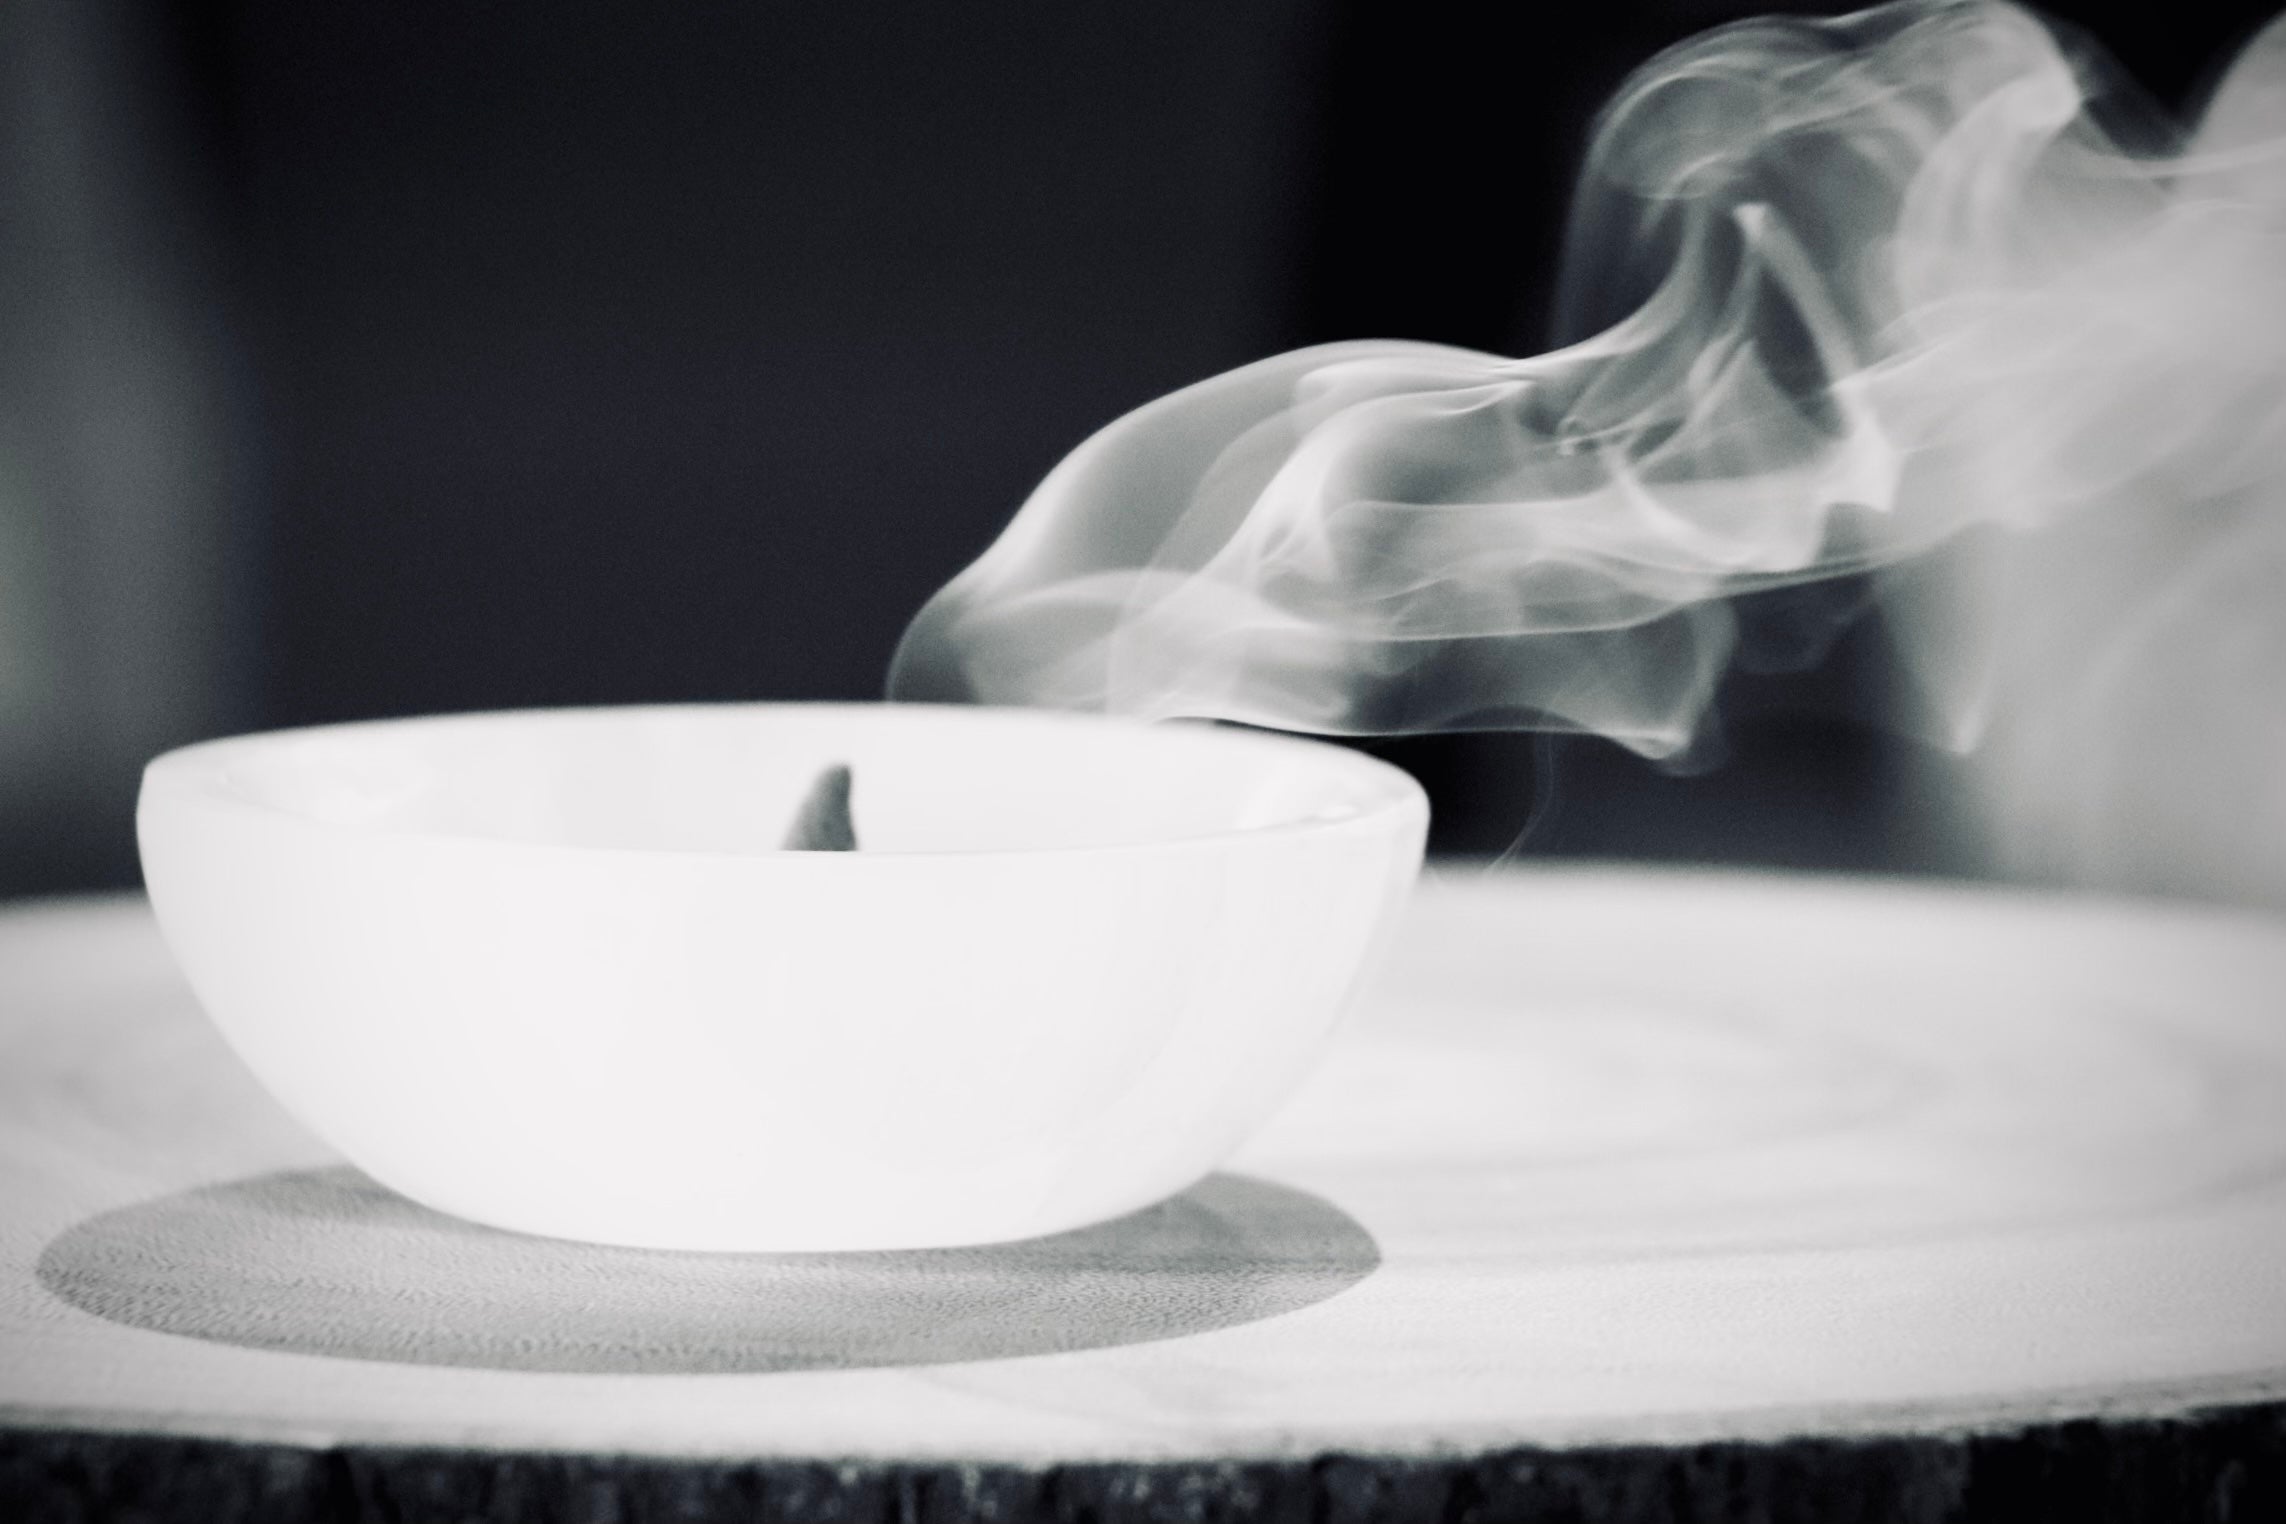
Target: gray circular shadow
326	1262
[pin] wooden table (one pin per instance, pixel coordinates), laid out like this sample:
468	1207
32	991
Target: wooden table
1624	1196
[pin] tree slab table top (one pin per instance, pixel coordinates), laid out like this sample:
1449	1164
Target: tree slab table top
1623	1195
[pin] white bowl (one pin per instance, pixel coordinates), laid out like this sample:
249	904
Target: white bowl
549	971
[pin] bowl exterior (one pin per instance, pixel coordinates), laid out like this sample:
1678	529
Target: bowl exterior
816	1051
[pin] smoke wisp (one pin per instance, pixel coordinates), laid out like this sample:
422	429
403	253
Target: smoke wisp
1844	292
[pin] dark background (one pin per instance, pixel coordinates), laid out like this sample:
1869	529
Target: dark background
552	352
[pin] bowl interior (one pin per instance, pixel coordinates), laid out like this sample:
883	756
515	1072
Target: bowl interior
729	778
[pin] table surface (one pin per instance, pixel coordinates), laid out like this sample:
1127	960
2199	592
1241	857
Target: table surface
1602	1157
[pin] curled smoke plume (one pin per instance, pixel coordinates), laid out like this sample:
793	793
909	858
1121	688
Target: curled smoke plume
1852	291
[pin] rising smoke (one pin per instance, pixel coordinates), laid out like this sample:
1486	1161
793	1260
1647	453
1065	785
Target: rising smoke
1921	295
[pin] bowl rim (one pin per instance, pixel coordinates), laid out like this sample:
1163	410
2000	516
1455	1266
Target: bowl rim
195	774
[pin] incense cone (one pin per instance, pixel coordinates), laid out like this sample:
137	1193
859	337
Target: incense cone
822	824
